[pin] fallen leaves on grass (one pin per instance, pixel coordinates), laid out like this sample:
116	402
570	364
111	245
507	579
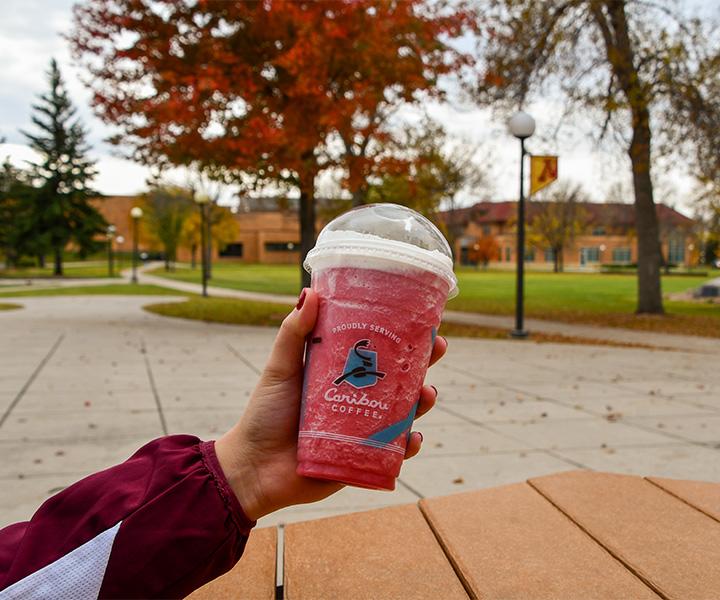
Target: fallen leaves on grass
700	325
498	333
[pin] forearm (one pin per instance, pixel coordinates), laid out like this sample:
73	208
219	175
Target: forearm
161	524
241	474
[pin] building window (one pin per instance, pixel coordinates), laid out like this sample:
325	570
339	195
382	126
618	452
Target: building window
234	250
589	255
549	255
466	243
486	229
508	253
676	251
529	254
621	255
281	246
598	231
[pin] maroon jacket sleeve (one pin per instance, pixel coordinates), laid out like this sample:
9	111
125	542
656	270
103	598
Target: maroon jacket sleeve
167	518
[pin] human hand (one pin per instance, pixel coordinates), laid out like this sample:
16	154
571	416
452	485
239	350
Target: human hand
258	455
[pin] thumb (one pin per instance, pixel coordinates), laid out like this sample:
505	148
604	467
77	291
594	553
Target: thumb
286	356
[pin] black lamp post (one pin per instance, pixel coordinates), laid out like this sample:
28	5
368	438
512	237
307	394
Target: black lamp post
136	213
202	202
522	126
109	235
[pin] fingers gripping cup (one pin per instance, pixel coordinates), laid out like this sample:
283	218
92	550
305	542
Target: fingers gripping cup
383	274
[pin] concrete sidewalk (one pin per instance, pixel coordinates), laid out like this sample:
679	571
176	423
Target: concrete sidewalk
85	381
218	292
22	285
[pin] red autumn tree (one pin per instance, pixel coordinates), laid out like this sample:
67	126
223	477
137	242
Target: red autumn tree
485	249
274	90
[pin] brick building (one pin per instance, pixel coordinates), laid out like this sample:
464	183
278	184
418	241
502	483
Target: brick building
269	233
268	230
116	210
608	236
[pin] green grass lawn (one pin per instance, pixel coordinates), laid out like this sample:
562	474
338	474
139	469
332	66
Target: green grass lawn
120	289
601	299
490	292
80	270
597	299
9	306
549	293
271	279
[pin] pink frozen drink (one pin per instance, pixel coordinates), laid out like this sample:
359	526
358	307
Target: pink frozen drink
383	274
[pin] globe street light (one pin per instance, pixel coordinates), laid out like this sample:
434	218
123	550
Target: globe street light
109	235
136	213
202	202
522	126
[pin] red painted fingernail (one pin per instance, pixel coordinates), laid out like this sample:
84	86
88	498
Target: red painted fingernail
421	436
301	299
447	344
436	392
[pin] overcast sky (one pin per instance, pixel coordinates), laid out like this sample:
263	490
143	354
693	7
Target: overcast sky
31	33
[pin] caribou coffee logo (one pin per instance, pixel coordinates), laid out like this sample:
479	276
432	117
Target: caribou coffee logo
361	368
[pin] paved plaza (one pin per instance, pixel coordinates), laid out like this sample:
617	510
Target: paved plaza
86	380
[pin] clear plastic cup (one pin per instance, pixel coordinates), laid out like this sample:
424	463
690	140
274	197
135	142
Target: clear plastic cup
383	273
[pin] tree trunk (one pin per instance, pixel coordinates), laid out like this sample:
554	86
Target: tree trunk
11	258
307	221
58	261
193	250
41	261
646	222
208	242
556	261
620	53
358	198
561	259
209	255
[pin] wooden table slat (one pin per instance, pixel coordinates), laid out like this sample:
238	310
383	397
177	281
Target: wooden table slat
703	495
253	577
672	546
510	542
387	553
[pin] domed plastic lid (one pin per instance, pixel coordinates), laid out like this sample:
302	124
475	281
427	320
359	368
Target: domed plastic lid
387	232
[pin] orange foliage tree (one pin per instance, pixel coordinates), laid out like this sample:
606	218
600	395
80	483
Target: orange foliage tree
485	249
264	91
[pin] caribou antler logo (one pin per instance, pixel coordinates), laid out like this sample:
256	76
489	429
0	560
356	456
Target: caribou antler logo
361	369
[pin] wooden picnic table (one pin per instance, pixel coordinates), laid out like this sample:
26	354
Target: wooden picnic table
575	535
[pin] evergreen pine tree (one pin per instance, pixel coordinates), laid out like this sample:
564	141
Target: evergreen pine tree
61	212
15	194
